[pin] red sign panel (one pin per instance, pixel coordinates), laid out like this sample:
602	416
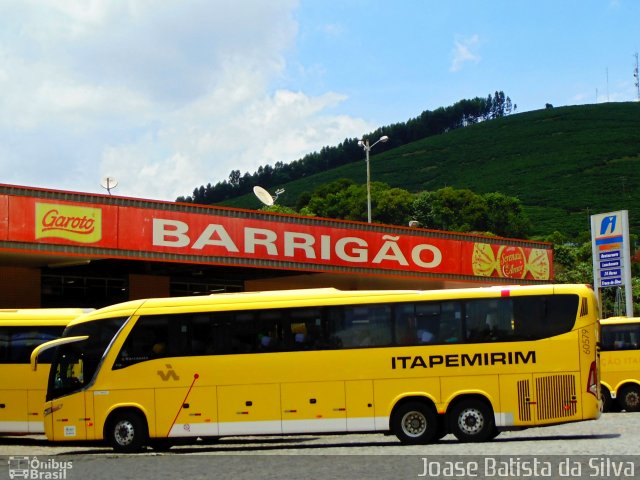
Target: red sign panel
62	222
220	239
4	217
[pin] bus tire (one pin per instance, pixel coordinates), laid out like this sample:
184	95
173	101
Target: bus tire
415	423
629	398
127	431
607	401
472	420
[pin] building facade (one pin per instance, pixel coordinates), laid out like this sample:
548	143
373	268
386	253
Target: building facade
60	248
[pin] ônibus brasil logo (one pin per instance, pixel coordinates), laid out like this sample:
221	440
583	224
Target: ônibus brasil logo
33	468
79	224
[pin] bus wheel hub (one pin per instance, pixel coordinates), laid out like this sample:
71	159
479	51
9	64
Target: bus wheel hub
470	421
124	433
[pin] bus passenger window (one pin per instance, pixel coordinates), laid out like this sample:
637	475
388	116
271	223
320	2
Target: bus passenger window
449	333
148	339
159	349
425	336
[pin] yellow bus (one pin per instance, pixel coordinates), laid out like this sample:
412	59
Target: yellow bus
417	364
620	363
22	392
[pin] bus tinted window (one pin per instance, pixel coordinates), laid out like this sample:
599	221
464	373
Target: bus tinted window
17	343
428	322
76	363
544	316
360	325
348	326
621	337
308	330
148	339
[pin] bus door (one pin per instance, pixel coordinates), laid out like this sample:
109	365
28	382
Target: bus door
65	418
67	415
249	409
360	411
314	407
13	412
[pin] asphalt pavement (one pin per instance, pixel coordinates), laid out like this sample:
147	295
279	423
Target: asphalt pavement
604	448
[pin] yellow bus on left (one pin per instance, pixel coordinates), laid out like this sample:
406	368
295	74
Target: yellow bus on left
22	390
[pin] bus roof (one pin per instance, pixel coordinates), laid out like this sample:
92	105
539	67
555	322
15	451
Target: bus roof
309	297
39	316
619	320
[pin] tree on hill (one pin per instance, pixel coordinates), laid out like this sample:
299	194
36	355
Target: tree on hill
505	216
444	209
428	123
465	211
347	200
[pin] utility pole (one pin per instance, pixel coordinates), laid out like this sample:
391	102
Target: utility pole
635	76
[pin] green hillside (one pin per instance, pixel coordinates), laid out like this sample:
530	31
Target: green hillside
564	164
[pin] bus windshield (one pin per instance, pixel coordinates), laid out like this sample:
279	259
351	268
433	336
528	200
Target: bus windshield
75	364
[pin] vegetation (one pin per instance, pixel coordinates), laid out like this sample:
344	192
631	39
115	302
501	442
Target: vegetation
465	211
573	263
346	200
535	175
461	114
563	164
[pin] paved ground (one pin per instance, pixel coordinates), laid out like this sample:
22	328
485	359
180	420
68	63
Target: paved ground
606	448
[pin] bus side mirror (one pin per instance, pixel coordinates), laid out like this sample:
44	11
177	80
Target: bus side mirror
51	344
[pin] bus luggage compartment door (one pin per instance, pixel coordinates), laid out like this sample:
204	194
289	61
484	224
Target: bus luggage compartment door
249	409
13	410
313	407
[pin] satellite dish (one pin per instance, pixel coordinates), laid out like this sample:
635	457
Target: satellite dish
264	196
108	183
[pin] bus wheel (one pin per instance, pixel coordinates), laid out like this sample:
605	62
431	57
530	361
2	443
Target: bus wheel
629	398
415	423
607	401
127	432
472	421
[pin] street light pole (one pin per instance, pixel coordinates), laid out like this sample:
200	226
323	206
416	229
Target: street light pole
365	144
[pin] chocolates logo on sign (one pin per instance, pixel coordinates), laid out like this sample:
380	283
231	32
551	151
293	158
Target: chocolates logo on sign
78	224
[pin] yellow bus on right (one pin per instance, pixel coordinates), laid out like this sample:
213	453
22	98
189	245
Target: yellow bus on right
620	363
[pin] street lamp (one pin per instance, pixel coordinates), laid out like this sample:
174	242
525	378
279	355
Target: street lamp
365	144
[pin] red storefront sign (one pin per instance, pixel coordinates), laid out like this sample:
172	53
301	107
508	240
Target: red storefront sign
289	242
4	217
62	222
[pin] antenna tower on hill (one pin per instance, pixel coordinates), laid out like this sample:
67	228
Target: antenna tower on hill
635	76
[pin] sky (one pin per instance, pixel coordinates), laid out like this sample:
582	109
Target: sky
166	95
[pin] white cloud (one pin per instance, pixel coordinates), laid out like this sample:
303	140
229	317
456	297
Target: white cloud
198	145
163	96
464	51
